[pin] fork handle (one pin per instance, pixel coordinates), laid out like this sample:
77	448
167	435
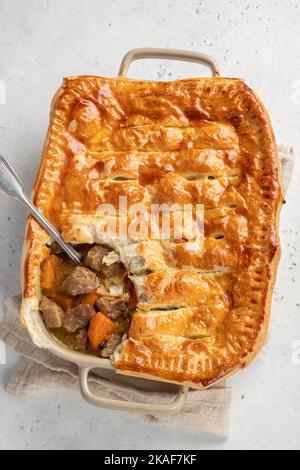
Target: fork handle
11	185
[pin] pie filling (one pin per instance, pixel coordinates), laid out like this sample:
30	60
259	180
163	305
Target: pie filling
88	307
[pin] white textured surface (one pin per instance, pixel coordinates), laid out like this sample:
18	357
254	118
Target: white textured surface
42	41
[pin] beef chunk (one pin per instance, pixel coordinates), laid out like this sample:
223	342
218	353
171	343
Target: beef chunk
113	270
112	308
81	340
80	281
95	256
100	258
53	313
78	317
111	344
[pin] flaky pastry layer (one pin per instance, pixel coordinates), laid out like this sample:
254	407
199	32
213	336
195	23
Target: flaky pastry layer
203	312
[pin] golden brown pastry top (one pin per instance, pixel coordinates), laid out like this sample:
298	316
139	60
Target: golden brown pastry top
202	313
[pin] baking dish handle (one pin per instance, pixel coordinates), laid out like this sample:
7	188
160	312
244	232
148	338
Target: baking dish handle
170	54
136	407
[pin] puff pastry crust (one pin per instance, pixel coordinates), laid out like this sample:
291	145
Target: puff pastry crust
202	314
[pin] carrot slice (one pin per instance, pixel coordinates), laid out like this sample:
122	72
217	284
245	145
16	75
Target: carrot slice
65	301
89	298
49	267
99	329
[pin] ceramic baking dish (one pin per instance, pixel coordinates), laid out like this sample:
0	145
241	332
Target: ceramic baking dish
216	295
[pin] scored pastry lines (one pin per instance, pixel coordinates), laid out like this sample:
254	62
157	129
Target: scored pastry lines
120	178
182	161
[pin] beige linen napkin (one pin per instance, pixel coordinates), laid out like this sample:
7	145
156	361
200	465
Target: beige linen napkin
39	370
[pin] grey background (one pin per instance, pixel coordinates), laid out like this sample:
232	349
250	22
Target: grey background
42	41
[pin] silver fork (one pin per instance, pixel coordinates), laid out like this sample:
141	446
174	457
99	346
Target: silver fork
11	185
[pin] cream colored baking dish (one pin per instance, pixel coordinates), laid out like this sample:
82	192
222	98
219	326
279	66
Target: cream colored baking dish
216	297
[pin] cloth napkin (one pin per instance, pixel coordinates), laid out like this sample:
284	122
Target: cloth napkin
39	370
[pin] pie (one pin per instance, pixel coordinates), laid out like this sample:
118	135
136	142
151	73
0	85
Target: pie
169	308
